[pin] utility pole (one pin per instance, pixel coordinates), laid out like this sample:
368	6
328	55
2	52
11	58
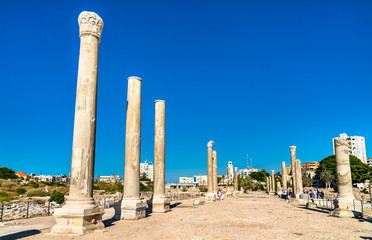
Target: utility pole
247	162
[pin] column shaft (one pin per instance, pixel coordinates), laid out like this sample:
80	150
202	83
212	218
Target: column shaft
215	187
284	176
299	187
293	160
273	180
236	179
210	195
133	139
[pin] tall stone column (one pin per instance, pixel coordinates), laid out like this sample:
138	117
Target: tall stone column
267	184
284	176
210	195
293	160
345	196
160	203
131	206
80	214
299	186
272	180
236	179
215	187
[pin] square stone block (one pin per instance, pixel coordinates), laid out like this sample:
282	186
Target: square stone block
160	204
130	209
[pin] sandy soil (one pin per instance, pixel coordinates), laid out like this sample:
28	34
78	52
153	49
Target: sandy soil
253	216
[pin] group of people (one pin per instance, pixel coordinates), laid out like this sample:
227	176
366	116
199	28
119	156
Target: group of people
315	194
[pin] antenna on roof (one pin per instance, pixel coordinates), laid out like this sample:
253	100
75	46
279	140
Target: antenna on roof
247	162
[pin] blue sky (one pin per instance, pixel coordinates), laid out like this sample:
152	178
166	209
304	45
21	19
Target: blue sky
254	76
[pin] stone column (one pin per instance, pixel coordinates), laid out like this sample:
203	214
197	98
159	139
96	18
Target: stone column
299	187
293	160
131	206
278	188
267	184
284	176
210	195
236	179
345	196
272	180
80	214
160	203
215	187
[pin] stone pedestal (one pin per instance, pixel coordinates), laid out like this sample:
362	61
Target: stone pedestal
80	214
160	204
130	209
345	197
210	196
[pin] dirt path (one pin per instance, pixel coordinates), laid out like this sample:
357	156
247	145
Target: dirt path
253	216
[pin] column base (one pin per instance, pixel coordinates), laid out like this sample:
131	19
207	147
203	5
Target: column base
342	213
210	198
77	218
160	204
130	209
344	202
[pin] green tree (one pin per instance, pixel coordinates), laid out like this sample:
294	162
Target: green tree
360	172
57	197
260	176
307	181
7	173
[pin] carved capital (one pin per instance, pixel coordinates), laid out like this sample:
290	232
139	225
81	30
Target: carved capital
90	23
292	148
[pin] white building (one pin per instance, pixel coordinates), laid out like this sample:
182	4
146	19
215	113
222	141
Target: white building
186	180
109	179
147	170
201	179
246	172
230	173
369	161
357	146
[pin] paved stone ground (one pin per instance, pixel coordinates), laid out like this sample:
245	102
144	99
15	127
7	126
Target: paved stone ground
253	216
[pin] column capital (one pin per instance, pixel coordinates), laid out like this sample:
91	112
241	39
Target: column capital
292	148
90	24
159	101
210	144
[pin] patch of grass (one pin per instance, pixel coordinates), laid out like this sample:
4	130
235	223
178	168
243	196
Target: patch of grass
299	234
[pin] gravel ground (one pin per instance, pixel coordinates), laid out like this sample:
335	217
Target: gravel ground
253	216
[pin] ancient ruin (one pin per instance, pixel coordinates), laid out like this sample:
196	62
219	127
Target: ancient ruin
284	176
160	203
345	196
131	206
215	187
81	214
210	196
299	188
293	172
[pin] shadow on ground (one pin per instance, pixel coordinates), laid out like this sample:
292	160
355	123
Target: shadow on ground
20	235
175	204
315	210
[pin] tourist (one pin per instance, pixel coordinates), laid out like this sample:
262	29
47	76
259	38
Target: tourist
219	195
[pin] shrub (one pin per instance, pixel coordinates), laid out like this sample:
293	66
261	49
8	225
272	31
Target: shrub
20	191
4	197
32	184
37	193
57	197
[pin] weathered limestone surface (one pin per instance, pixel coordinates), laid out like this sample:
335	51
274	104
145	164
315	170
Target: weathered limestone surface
215	187
81	214
278	188
293	160
268	188
131	206
210	197
160	203
272	181
345	197
299	187
284	176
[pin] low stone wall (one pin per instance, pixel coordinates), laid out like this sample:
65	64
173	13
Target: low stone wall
25	208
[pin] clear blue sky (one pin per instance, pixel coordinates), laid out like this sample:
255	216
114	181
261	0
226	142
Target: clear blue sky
254	76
